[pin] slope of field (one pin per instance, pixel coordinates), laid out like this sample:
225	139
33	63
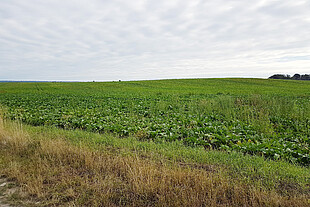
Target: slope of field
269	118
233	86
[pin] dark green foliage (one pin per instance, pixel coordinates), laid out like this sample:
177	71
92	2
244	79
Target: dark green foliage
280	76
225	114
295	77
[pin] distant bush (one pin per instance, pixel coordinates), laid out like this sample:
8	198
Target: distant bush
305	77
280	76
295	77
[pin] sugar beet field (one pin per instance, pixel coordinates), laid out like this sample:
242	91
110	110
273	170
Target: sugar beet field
269	118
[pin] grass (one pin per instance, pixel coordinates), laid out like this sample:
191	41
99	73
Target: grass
58	167
254	170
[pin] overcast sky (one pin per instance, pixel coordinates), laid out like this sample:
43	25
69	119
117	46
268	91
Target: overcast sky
155	39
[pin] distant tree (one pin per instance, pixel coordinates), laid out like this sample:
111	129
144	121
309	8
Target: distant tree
305	77
280	76
296	76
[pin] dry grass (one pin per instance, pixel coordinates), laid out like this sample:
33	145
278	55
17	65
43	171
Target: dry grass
57	173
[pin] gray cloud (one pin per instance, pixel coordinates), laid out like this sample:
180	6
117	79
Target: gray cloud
110	40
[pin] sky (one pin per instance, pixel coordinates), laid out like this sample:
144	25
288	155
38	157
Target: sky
105	40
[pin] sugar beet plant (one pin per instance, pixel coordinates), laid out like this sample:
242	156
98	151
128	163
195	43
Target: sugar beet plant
276	127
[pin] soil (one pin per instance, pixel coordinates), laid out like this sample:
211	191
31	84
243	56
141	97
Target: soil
7	189
11	195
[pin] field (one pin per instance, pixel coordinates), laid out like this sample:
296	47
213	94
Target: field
255	131
263	117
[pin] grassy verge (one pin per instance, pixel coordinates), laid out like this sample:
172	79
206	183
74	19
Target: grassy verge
69	168
250	169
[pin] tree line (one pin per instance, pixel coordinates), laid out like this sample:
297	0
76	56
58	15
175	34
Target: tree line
294	77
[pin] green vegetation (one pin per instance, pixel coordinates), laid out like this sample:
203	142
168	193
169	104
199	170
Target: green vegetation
269	118
252	170
56	167
288	77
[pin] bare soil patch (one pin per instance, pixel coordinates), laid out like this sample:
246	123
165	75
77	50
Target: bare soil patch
7	191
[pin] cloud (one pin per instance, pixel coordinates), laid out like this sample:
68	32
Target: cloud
111	40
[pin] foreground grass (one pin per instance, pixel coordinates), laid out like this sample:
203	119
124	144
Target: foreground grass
76	168
252	170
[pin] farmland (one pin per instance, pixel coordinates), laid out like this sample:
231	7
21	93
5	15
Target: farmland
268	118
202	142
